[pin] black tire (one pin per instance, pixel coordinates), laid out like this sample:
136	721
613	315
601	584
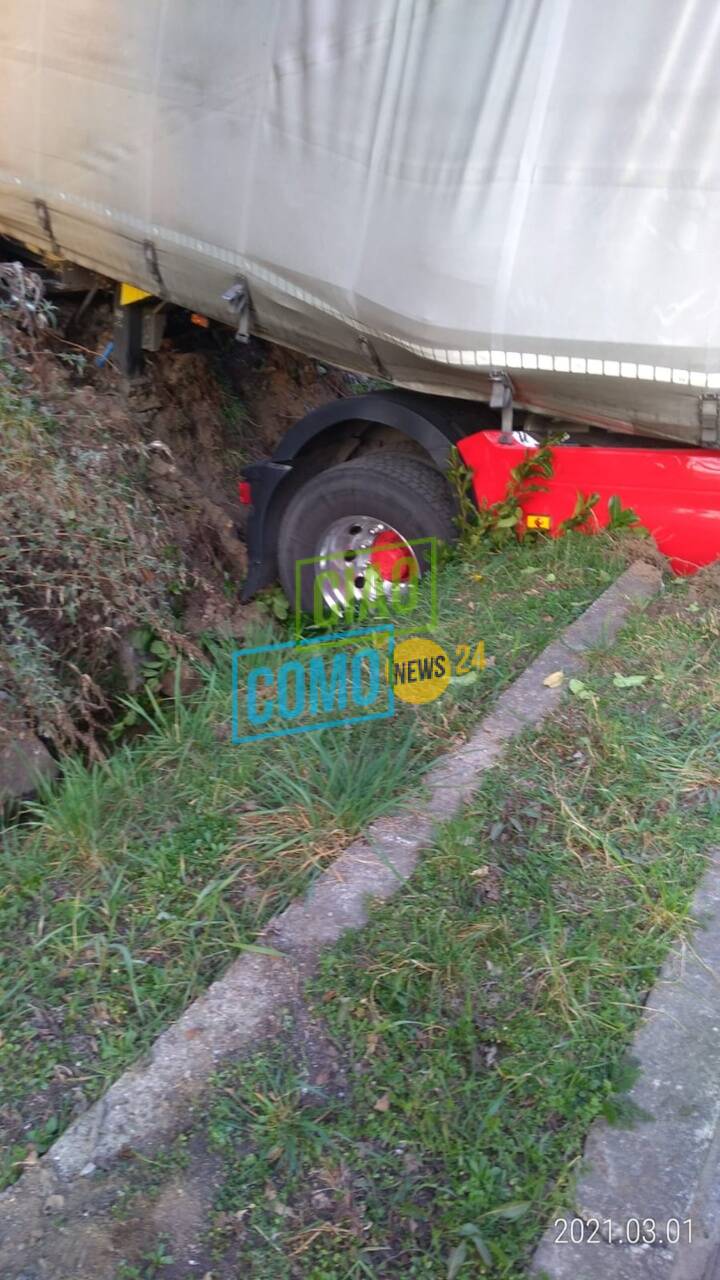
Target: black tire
402	492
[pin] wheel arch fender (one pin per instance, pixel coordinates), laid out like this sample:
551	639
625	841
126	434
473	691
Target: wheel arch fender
424	419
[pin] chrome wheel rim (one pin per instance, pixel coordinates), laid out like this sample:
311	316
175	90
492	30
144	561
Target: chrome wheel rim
353	557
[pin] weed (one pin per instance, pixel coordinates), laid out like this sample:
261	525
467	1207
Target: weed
623	518
276	603
75	360
151	1266
581	515
498	521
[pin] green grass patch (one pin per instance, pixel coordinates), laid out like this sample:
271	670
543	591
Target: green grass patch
430	1115
136	881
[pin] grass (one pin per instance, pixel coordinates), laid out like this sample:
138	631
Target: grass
429	1116
137	881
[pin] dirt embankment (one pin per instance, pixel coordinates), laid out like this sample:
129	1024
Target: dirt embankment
121	537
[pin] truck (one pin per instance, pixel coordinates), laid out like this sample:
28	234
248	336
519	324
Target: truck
502	213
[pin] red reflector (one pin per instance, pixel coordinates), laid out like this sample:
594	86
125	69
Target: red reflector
245	492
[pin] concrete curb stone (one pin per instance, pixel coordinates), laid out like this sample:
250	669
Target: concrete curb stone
665	1168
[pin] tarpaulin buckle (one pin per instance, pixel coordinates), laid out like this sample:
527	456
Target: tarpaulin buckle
709	414
238	298
502	398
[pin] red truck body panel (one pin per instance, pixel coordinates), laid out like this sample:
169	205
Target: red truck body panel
674	492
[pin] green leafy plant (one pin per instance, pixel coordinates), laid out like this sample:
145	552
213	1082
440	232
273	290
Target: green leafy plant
276	603
623	518
76	360
585	504
499	522
157	661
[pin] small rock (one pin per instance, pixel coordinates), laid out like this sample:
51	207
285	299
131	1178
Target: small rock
23	761
54	1204
188	681
88	1169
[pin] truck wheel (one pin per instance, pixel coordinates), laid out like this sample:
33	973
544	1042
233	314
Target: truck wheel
354	525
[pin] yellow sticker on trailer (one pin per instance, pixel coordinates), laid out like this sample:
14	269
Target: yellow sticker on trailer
539	522
129	293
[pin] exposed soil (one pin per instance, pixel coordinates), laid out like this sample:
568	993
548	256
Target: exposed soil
98	1229
153	462
101	1226
705	588
206	406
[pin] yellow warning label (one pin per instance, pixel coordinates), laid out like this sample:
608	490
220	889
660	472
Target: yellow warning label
129	293
539	522
421	671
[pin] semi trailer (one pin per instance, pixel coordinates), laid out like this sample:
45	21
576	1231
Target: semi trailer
504	213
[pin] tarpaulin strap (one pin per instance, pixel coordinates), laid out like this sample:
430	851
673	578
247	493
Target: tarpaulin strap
153	266
371	354
46	223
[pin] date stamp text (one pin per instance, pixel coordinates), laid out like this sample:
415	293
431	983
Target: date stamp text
632	1231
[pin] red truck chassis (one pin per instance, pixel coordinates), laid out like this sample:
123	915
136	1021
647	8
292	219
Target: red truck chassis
674	492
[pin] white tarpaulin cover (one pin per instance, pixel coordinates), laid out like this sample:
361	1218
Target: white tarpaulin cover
427	187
